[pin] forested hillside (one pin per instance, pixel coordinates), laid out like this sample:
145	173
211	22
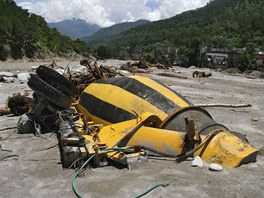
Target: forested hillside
23	34
221	23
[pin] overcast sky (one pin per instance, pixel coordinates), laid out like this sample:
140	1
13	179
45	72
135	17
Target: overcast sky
108	12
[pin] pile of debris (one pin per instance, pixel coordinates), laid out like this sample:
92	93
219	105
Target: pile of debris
82	78
9	77
141	66
17	104
199	74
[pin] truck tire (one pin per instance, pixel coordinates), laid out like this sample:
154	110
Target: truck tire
57	80
49	92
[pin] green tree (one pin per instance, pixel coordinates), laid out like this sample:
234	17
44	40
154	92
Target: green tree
220	24
27	34
103	52
149	57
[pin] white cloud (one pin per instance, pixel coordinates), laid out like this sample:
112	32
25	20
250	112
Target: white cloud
169	8
109	12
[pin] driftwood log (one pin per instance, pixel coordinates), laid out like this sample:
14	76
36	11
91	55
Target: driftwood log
171	75
224	105
139	64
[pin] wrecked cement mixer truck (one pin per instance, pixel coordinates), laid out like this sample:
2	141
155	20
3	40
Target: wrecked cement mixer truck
124	119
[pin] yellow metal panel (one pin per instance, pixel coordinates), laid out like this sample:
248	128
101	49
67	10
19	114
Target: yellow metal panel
224	148
113	134
168	143
161	89
127	101
227	150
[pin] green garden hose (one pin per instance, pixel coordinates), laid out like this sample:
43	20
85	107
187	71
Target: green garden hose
109	150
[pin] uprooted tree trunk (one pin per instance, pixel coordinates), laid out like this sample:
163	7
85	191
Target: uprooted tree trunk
17	104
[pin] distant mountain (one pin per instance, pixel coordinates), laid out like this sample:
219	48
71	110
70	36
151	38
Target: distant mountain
103	34
24	34
75	28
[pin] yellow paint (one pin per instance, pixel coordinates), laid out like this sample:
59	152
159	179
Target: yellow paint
165	142
161	89
113	134
227	150
127	101
224	148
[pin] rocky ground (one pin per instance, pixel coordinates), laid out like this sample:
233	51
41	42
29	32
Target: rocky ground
34	170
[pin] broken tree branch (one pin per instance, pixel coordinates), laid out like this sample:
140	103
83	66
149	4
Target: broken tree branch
224	105
8	128
4	111
171	75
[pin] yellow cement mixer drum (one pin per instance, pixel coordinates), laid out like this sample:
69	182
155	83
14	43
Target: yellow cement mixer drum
119	99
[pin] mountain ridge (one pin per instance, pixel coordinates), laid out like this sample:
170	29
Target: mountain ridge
75	28
104	33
